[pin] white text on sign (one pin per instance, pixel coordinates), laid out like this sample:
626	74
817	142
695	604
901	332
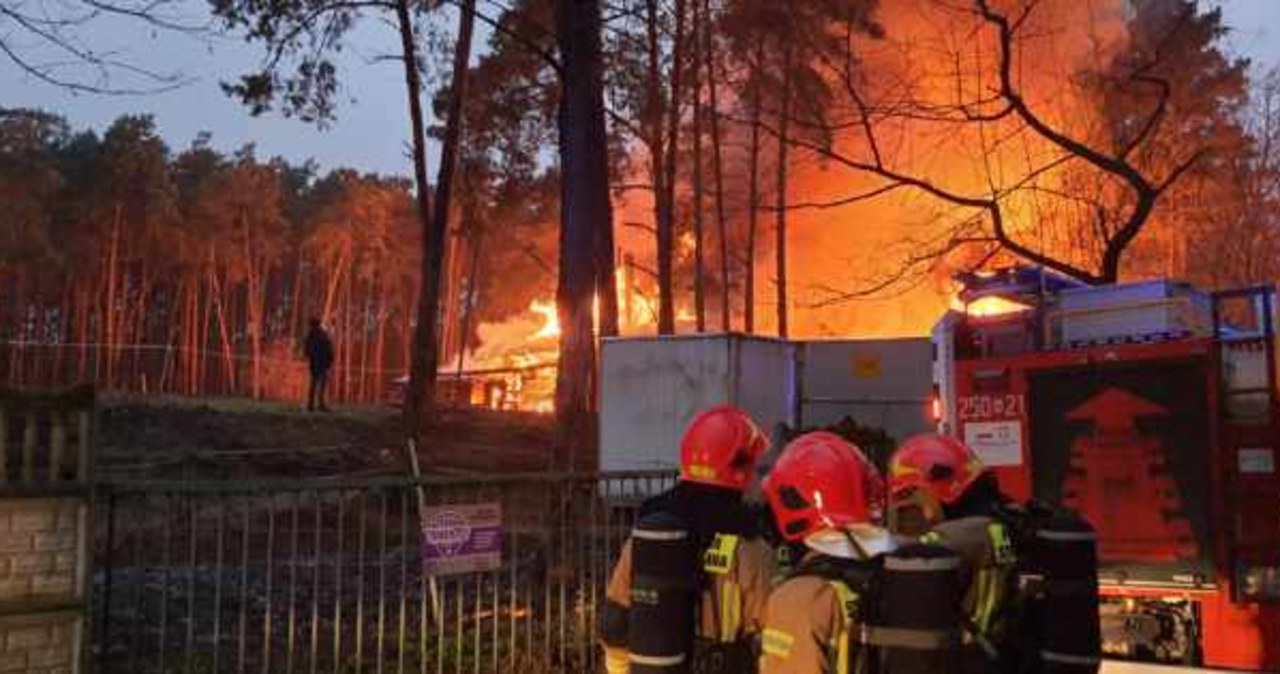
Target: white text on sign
977	407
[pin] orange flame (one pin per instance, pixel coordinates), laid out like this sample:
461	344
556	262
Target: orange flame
835	245
550	317
989	306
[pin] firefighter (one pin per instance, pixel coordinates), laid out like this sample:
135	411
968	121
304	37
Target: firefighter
689	587
941	492
824	493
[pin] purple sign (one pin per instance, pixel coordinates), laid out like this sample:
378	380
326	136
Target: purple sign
462	538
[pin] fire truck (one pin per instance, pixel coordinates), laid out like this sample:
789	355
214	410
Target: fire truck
1150	408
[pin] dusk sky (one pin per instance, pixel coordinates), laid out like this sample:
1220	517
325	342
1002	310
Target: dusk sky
371	131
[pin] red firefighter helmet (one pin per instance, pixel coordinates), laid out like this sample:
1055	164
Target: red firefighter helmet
821	481
720	447
940	466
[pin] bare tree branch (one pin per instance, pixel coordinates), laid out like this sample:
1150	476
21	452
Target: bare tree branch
58	27
147	12
644	227
836	203
1180	169
1114	237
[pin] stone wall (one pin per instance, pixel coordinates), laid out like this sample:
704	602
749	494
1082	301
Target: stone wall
39	549
41	577
40	644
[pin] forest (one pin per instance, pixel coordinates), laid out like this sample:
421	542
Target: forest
791	169
195	272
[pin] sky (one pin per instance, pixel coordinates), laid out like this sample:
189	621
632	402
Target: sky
371	132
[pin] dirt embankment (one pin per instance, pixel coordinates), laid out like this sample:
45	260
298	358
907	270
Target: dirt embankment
166	438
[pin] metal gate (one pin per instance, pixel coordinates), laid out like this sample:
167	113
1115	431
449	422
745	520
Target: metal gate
327	576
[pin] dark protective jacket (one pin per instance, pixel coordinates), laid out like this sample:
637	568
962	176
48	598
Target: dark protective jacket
318	348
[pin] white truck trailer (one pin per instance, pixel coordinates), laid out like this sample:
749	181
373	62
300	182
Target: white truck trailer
651	387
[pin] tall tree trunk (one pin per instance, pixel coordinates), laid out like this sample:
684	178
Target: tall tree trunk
108	320
335	277
6	327
220	308
425	354
295	308
424	333
346	341
15	362
365	338
138	366
784	118
189	345
695	86
722	222
203	366
656	142
667	225
65	316
20	329
84	307
253	308
408	331
176	309
584	191
448	290
753	199
606	265
119	317
473	293
380	355
380	340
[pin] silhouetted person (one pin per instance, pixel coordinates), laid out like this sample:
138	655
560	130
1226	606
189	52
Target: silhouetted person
319	350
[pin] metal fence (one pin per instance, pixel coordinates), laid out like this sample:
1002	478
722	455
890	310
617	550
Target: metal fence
312	576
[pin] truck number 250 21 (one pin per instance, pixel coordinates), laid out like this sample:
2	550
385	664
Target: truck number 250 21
1011	405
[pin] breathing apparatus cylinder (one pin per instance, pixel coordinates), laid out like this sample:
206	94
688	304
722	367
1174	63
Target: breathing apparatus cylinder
1058	591
915	626
664	595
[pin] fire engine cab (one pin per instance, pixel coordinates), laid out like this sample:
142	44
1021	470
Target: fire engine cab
1150	408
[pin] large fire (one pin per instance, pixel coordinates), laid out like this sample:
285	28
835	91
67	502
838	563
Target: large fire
836	245
514	366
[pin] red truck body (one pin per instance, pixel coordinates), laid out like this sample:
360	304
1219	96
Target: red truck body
1144	439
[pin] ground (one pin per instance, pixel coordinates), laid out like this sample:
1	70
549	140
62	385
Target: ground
169	437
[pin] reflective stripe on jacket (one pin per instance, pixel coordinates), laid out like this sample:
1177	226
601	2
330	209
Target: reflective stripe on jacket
810	628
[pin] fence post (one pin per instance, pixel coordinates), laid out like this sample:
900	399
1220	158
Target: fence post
108	580
411	448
